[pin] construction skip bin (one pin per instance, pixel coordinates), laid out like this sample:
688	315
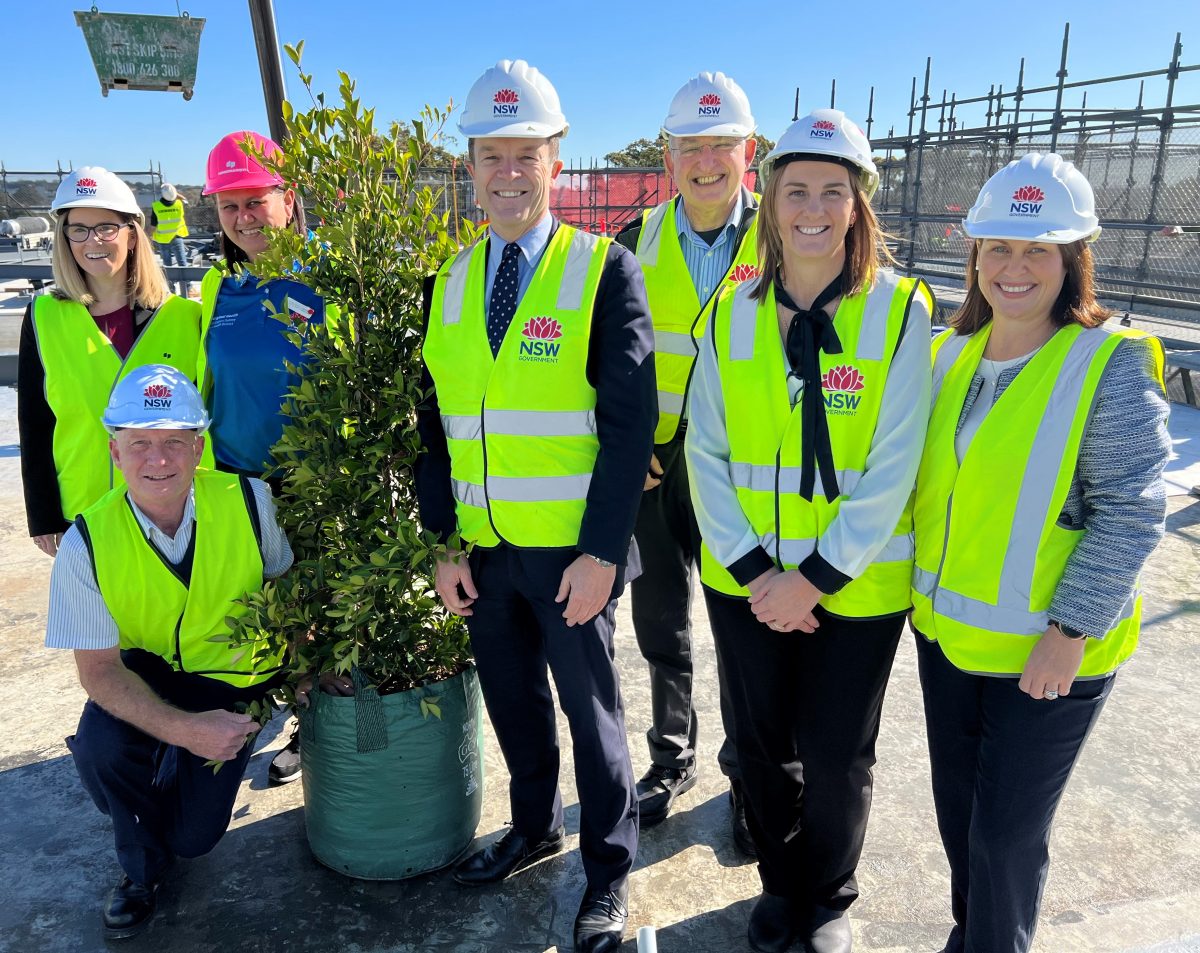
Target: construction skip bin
139	51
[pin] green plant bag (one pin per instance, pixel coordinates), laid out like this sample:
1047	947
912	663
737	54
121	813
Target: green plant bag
393	784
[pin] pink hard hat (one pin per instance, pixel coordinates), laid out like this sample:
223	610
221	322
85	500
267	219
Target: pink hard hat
230	168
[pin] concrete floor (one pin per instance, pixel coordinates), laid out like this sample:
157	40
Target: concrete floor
1126	849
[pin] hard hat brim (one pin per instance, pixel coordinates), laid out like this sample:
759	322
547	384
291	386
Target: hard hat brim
162	423
513	130
249	180
97	203
1014	231
701	128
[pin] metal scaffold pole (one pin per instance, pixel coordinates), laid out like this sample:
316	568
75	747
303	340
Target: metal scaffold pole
262	18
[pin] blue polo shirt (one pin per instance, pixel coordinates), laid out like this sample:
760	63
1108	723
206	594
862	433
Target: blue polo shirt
247	350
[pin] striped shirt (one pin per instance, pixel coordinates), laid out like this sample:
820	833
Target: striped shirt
706	263
78	617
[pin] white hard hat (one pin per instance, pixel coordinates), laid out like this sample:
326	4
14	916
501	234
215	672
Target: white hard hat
168	192
1036	198
155	397
711	104
512	99
94	187
825	135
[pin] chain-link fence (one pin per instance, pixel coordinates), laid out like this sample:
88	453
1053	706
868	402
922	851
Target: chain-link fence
1142	160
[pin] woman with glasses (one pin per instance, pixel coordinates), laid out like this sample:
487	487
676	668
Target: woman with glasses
110	312
807	418
245	351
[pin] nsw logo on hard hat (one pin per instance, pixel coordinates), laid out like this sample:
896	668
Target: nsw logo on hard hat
710	105
505	102
1027	201
841	385
822	129
156	395
541	336
85	186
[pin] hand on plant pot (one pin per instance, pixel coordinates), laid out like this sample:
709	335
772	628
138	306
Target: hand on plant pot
331	684
449	575
586	586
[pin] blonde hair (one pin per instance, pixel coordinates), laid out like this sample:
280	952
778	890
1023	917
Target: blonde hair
145	284
866	252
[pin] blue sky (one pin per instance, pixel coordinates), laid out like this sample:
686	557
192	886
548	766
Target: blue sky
616	65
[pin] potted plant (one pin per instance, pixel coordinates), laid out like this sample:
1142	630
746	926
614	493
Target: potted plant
392	775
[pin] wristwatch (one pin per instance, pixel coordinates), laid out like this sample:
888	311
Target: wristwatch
1073	634
602	563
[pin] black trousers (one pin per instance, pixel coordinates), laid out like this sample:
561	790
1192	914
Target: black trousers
517	632
162	800
1000	761
669	542
807	709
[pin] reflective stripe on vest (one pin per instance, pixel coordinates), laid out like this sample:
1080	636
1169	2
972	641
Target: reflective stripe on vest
990	549
765	433
169	222
678	315
520	426
155	610
82	367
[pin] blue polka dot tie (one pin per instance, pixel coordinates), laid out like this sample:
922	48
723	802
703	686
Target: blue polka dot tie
504	297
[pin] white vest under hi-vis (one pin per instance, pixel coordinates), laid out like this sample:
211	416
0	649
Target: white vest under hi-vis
990	551
521	426
678	314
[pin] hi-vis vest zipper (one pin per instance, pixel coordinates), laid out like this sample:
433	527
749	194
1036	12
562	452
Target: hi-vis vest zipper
678	314
155	610
520	427
765	433
990	551
82	367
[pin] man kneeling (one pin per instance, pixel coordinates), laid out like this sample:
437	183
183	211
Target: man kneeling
142	581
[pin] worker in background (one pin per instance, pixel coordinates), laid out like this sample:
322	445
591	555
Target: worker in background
1039	499
144	581
689	248
245	351
808	414
109	313
538	430
170	229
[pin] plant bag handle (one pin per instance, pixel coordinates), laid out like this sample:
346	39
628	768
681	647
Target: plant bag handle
369	717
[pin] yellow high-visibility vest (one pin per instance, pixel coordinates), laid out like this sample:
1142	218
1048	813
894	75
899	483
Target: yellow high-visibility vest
169	222
765	433
990	552
155	610
82	367
678	314
521	426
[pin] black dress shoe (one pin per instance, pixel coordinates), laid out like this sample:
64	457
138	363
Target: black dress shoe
286	766
741	830
657	790
600	924
773	925
506	856
130	908
829	931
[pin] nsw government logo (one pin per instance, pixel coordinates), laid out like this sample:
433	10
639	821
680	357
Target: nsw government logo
841	385
710	105
742	272
540	342
156	395
85	187
822	129
1027	202
504	103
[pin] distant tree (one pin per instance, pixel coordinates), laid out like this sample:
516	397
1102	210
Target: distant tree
640	154
438	154
765	145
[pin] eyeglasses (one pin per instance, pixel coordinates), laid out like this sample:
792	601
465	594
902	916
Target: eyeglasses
105	232
719	147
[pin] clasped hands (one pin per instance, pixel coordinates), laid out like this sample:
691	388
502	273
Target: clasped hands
784	601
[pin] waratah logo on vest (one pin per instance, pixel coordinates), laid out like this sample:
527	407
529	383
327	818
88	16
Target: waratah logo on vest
710	105
822	129
505	102
1027	201
541	340
743	272
841	385
156	395
85	187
